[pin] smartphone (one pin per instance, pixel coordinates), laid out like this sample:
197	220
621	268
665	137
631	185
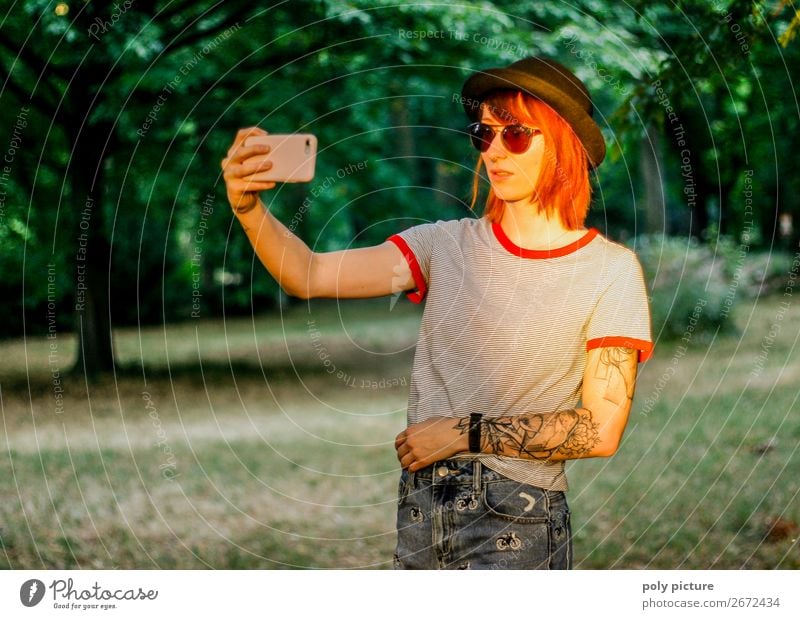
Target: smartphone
293	156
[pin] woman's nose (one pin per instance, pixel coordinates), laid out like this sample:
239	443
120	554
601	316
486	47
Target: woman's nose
496	149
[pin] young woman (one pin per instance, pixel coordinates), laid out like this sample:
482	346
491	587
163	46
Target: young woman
527	315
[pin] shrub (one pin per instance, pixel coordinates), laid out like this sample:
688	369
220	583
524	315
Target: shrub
760	273
691	293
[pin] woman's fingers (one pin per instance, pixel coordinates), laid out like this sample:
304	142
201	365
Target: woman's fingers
248	131
237	158
241	176
247	172
238	152
243	153
253	166
410	460
404	454
243	134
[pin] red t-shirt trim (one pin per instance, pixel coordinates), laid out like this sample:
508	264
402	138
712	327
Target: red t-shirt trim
644	347
515	249
417	295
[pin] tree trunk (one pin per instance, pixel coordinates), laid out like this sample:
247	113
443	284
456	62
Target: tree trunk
696	191
651	162
92	255
404	136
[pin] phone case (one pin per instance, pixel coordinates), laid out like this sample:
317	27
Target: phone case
293	157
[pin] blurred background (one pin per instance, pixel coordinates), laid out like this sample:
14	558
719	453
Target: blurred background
166	406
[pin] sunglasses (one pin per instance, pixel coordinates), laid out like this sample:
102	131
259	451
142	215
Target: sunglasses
516	138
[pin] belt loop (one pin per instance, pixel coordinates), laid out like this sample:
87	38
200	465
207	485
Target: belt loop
476	477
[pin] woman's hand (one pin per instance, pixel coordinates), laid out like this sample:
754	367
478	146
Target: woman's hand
422	444
240	175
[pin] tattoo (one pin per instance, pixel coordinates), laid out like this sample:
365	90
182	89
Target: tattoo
618	367
462	424
571	433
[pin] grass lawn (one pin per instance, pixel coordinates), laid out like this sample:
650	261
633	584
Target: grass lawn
267	443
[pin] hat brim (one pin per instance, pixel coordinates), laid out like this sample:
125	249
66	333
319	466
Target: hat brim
480	84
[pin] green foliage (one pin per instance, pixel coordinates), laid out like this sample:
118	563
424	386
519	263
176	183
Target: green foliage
695	286
753	273
691	294
162	91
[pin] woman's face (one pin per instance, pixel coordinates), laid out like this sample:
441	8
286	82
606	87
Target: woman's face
513	176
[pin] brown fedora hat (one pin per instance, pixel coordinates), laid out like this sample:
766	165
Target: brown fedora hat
550	81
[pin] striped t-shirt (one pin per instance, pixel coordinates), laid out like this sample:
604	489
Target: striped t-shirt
505	330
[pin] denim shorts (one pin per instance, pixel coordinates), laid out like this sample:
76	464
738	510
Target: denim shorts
458	514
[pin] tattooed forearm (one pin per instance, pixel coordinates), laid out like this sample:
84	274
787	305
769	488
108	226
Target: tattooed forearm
607	392
617	366
569	434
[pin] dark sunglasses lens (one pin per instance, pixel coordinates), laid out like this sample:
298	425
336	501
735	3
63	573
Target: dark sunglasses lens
516	139
481	136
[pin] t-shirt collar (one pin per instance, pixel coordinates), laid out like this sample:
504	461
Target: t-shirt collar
516	250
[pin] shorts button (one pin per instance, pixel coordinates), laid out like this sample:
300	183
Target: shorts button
442	471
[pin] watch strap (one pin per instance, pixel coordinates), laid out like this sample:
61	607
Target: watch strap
475	432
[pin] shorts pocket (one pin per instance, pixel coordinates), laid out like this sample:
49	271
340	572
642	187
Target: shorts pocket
516	502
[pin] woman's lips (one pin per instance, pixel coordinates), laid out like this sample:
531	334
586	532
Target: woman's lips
500	175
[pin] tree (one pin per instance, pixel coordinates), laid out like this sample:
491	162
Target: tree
132	80
134	104
720	86
77	68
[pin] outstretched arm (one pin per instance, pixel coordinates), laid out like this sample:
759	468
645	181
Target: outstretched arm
594	430
352	273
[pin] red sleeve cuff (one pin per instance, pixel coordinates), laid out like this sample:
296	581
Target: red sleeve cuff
644	347
417	295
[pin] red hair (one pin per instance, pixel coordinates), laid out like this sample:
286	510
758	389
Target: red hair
562	187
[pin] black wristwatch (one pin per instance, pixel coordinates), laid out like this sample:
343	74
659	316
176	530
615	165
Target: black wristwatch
475	433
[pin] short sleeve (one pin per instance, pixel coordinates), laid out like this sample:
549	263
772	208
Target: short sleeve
621	316
417	244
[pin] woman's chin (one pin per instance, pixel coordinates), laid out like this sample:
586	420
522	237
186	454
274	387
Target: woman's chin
511	197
